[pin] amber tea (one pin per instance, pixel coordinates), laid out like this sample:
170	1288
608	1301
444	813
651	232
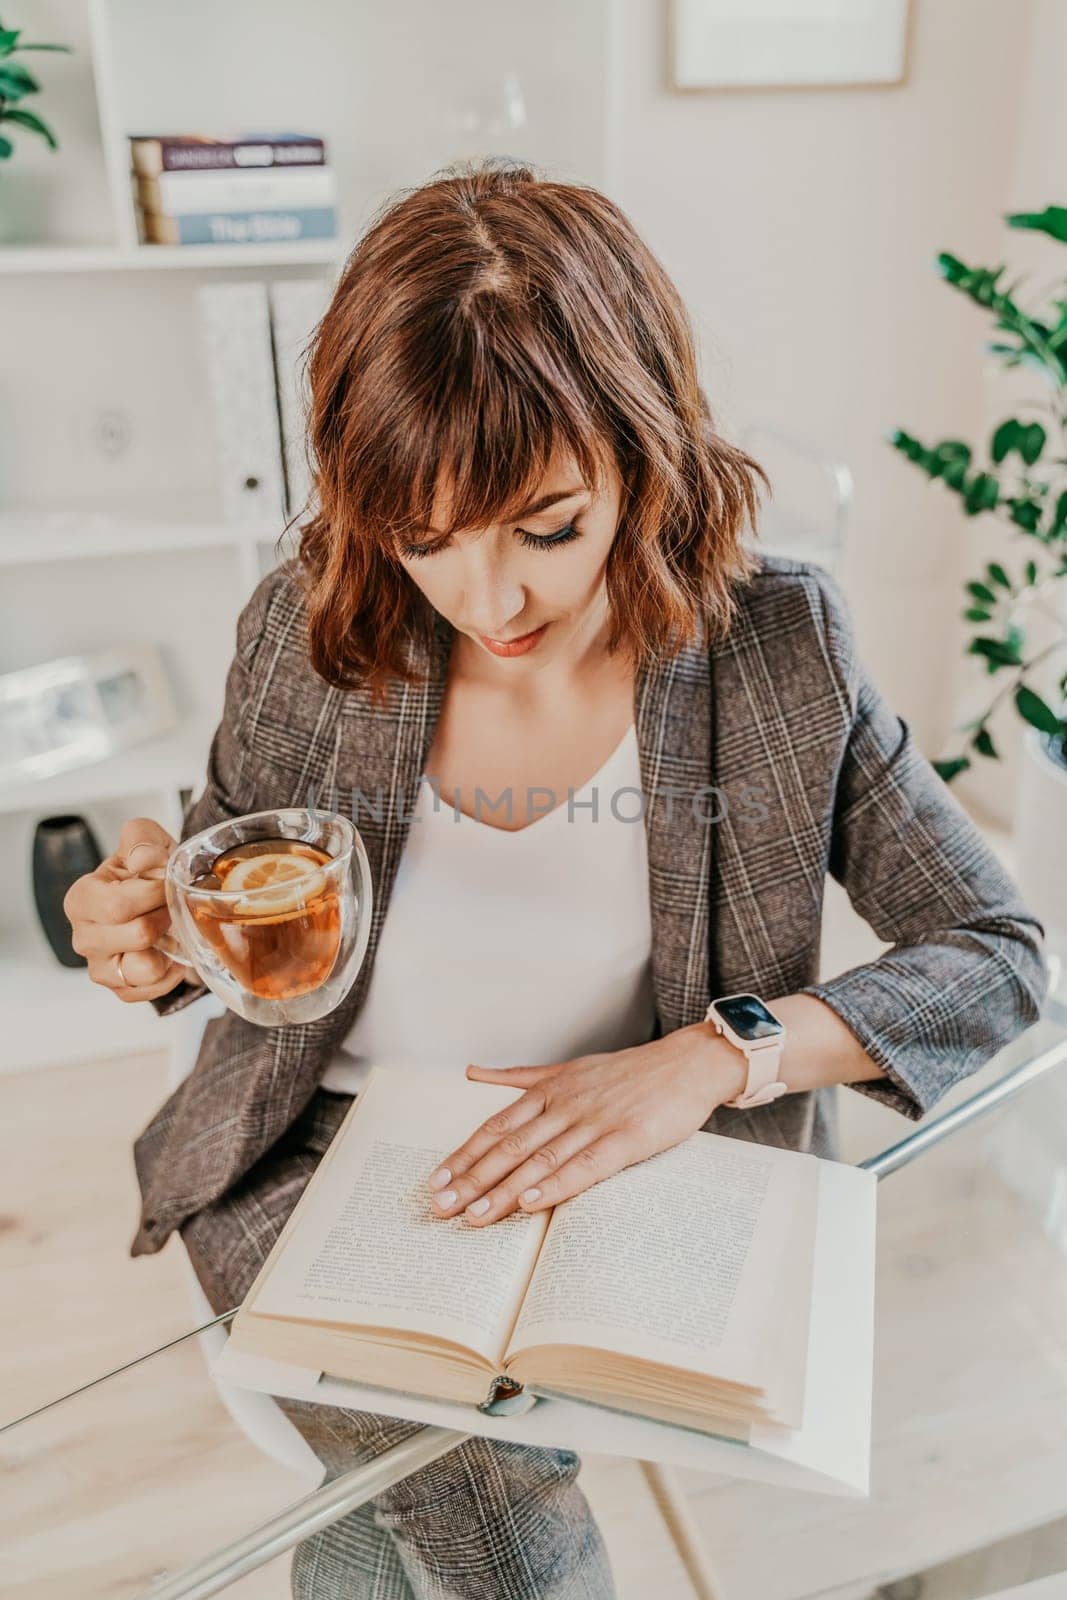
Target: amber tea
280	936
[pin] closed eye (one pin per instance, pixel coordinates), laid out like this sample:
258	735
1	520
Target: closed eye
548	540
545	541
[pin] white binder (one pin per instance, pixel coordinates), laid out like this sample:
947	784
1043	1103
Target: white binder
296	306
236	340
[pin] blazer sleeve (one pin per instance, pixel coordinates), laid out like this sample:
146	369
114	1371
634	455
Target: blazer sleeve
231	786
966	971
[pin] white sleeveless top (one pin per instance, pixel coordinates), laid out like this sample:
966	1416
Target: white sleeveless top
512	947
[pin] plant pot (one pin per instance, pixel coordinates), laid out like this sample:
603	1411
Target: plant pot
64	849
1040	835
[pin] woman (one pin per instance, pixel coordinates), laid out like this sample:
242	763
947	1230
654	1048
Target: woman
525	588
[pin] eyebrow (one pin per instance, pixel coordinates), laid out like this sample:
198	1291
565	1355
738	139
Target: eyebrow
556	497
552	499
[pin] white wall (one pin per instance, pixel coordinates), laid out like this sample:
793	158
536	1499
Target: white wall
802	228
1036	179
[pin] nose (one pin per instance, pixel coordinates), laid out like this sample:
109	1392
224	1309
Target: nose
492	597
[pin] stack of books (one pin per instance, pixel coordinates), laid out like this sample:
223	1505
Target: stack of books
255	188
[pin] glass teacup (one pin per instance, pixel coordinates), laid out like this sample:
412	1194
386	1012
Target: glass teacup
272	911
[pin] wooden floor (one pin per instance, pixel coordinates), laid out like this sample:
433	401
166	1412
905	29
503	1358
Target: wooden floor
149	1473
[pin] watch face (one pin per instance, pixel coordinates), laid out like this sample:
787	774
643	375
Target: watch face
748	1017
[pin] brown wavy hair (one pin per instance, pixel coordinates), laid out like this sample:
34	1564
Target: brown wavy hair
484	320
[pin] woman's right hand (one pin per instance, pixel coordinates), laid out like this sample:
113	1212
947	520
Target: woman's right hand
116	912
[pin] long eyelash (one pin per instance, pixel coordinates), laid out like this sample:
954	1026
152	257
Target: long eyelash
541	541
547	541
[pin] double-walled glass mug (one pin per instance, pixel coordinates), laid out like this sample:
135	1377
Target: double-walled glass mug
273	912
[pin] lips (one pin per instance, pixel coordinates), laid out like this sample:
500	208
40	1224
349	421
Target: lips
513	647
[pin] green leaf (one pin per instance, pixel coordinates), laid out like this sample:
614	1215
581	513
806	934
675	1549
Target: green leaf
1031	572
950	769
998	652
906	444
978	614
1035	711
983	743
998	575
1059	516
1032	442
1005	439
1053	221
982	494
982	592
953	449
8	40
1026	514
6	148
15	81
28	120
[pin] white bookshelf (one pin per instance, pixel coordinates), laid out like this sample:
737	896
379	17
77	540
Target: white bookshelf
31	536
162	767
30	259
99	328
55	1014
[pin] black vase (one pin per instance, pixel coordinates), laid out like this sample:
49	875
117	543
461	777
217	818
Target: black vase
64	848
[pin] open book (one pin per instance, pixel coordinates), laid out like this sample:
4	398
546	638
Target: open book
679	1290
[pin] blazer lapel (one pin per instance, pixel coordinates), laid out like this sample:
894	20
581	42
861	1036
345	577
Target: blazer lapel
672	713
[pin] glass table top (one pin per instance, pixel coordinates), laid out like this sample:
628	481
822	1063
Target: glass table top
120	1487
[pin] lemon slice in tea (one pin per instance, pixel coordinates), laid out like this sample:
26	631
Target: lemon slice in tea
281	881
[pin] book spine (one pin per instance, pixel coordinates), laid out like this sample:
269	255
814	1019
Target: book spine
179	157
506	1398
241	227
235	327
151	155
274	189
296	306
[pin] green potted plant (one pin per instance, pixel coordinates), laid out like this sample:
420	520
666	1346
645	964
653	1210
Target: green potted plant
16	84
1017	607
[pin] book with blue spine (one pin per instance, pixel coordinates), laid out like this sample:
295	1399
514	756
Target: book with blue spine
241	227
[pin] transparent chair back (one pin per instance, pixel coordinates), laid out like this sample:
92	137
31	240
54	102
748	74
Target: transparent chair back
806	515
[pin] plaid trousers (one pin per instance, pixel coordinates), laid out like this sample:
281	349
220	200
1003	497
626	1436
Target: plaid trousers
489	1520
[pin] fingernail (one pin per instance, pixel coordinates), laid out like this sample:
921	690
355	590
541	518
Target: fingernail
441	1176
447	1199
477	1207
530	1195
131	856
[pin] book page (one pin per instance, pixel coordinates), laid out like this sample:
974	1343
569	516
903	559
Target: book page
688	1258
364	1245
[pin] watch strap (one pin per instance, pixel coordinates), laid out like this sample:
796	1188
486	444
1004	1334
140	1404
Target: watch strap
762	1084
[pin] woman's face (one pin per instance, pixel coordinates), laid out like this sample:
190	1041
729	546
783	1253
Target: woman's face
531	590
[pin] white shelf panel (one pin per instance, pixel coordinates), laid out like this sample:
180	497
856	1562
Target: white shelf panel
28	536
55	1014
165	765
153	257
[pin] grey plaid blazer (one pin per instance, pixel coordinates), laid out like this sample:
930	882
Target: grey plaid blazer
812	773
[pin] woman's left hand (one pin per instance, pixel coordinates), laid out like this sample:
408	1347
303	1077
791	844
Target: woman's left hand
583	1120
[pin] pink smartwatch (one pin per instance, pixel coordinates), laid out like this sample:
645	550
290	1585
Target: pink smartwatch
746	1023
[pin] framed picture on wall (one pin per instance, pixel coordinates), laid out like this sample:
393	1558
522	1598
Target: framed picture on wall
787	44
